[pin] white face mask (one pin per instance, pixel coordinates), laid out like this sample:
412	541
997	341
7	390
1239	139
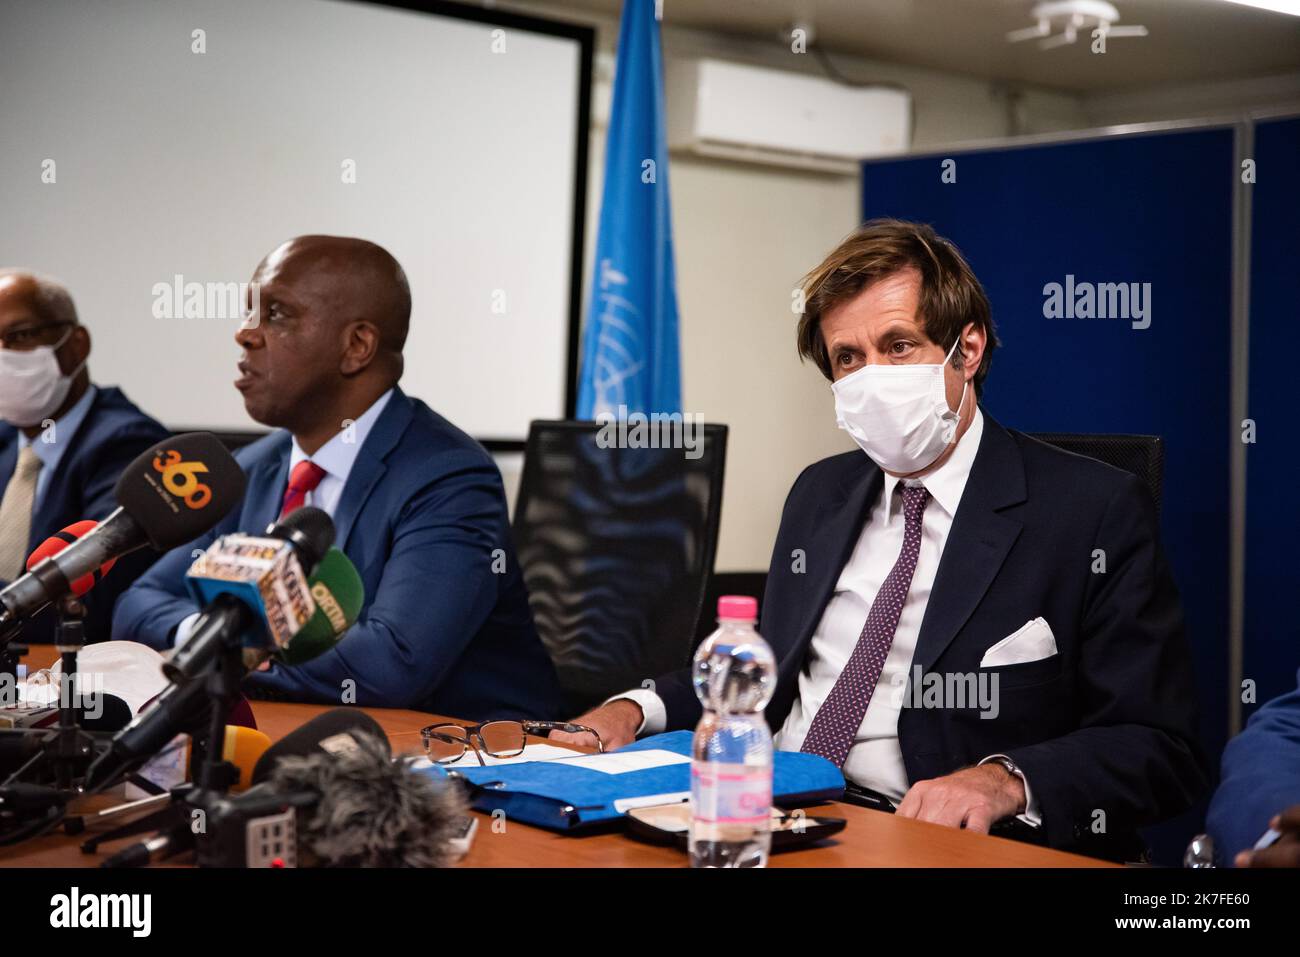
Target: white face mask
32	387
899	415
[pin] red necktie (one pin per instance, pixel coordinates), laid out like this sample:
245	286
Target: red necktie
305	477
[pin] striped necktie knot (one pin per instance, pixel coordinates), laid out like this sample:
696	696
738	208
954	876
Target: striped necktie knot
835	725
16	513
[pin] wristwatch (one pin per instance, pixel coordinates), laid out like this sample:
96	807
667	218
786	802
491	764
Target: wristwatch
1006	762
1012	768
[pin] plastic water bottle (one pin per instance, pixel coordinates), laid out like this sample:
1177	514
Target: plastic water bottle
731	766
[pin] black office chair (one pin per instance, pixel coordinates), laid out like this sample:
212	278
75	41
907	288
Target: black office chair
616	546
1143	455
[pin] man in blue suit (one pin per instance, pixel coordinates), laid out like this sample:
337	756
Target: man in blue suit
63	441
417	504
1260	789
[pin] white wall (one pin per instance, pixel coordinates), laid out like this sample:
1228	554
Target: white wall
173	162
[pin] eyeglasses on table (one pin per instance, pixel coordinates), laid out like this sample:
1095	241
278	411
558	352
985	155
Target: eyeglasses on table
447	743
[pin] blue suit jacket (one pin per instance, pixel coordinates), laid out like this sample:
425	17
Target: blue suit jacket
113	433
1107	723
420	516
1261	777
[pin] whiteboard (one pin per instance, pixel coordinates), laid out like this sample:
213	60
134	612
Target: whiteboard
462	140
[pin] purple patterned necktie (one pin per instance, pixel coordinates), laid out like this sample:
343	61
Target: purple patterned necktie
837	721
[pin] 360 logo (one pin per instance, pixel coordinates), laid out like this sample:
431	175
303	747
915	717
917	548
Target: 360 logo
178	477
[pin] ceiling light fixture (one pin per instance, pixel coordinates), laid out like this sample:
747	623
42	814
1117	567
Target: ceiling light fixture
1069	17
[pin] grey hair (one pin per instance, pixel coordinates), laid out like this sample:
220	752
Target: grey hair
53	302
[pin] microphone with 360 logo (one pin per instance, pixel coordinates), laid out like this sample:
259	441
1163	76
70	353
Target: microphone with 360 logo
168	496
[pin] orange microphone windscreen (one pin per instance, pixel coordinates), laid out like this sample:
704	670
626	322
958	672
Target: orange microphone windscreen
243	747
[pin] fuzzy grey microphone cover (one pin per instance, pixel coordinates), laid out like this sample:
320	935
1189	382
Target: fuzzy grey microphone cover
374	811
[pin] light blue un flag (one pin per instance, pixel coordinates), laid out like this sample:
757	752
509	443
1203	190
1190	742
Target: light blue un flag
630	353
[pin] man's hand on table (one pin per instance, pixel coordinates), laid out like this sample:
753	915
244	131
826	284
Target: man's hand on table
616	722
973	798
1285	851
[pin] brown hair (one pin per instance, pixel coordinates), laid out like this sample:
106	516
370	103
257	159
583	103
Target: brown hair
951	296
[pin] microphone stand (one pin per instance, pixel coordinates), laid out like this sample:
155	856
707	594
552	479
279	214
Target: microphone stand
69	749
10	653
188	810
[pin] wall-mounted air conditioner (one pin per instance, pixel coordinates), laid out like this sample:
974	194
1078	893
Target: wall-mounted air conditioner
754	114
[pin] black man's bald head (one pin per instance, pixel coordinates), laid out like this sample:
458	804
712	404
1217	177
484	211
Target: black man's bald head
330	321
363	279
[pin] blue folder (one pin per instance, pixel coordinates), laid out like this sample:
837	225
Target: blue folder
559	796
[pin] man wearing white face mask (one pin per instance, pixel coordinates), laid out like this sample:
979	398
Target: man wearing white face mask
945	639
63	441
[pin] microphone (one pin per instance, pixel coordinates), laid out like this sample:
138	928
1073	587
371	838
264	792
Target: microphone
183	707
96	711
242	747
352	805
19	745
254	586
339	593
61	540
169	495
339	729
161	846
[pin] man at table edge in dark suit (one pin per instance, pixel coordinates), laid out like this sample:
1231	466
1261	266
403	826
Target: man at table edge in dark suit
418	505
68	439
1050	591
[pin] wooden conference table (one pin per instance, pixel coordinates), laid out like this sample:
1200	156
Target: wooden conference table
871	839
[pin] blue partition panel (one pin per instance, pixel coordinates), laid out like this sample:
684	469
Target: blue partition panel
1272	625
1143	209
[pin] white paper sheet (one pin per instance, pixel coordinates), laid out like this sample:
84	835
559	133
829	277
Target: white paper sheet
621	762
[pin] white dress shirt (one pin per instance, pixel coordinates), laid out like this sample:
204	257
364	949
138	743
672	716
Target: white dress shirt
336	457
875	759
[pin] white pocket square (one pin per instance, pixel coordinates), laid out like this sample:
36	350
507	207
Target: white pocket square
1033	641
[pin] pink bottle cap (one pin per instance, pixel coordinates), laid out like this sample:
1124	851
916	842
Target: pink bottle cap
738	607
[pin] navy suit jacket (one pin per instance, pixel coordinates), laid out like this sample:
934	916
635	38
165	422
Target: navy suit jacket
113	433
420	516
1261	777
1105	725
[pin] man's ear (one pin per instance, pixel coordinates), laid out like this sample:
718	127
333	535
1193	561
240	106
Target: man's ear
75	351
973	342
360	344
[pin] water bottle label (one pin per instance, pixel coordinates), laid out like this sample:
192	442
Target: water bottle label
731	793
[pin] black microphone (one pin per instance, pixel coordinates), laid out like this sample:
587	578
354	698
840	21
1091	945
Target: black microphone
183	706
180	709
243	582
326	733
96	711
161	846
168	496
353	804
